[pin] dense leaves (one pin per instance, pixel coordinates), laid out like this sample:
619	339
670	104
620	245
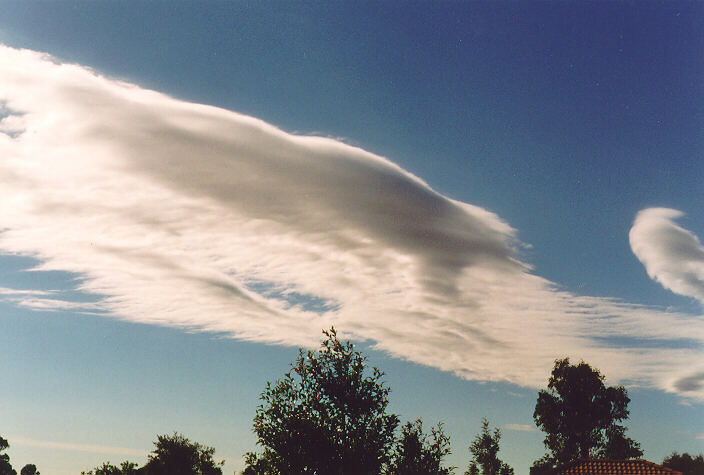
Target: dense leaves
29	469
172	455
685	463
176	455
327	416
580	416
5	466
485	454
126	468
261	464
417	453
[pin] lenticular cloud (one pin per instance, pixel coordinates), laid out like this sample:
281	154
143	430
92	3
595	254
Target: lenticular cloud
672	255
191	216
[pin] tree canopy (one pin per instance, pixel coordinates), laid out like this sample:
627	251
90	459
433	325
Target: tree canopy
485	454
685	463
29	469
126	468
5	466
172	455
327	415
417	453
580	417
176	455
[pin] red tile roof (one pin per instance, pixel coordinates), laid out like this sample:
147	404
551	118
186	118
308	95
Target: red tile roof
615	467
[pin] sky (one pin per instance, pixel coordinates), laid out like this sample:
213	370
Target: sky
190	191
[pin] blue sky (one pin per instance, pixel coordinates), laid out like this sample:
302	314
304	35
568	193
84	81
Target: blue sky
539	196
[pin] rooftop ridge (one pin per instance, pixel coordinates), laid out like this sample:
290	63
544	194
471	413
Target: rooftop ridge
614	467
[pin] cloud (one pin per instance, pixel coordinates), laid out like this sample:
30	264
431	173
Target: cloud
41	300
692	382
191	216
519	427
672	256
46	304
31	292
98	449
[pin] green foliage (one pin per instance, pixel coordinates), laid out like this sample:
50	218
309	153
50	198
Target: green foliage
5	466
176	455
125	468
473	469
685	463
29	469
261	464
485	454
172	455
618	446
543	466
579	416
417	453
327	415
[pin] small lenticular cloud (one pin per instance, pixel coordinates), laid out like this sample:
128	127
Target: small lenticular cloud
672	255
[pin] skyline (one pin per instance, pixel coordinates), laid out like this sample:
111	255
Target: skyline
550	211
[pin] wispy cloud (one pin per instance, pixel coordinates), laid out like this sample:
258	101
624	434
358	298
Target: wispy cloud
519	427
196	217
45	300
24	292
76	447
46	304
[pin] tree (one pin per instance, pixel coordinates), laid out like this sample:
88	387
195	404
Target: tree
260	464
543	466
326	416
5	466
685	463
580	416
125	468
421	454
485	454
176	455
473	469
29	469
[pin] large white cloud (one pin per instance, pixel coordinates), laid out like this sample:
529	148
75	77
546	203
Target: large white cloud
192	216
672	255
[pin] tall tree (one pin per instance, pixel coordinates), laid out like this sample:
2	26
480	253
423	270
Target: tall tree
176	455
421	454
580	417
29	469
327	415
5	466
485	454
685	463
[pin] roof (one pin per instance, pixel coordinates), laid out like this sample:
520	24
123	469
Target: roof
615	467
